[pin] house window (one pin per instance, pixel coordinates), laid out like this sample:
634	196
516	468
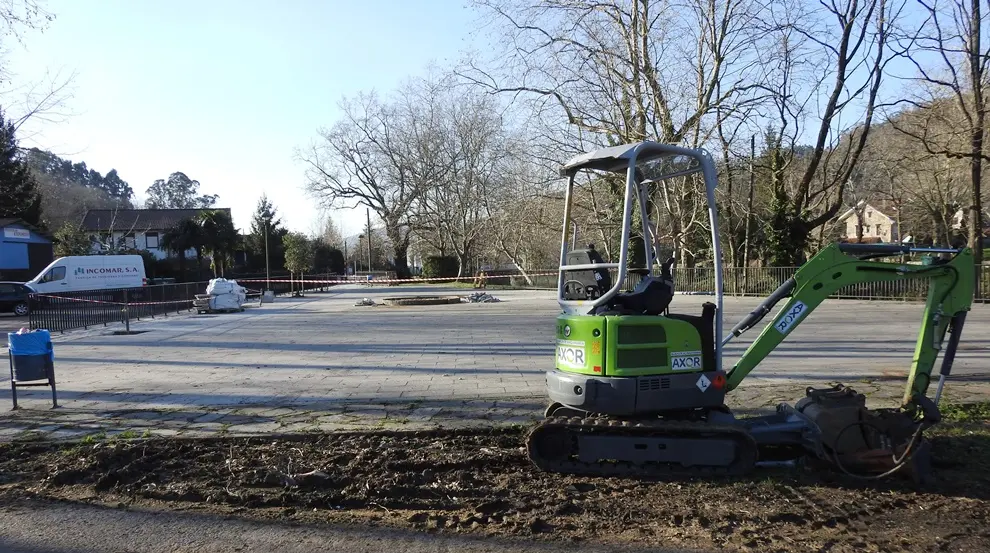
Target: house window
129	240
878	230
151	239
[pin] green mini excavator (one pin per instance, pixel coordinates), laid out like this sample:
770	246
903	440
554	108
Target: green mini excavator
639	390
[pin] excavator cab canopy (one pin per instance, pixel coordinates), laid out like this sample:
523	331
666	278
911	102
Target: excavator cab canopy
645	164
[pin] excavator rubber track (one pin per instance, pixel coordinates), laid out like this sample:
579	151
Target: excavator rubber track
554	446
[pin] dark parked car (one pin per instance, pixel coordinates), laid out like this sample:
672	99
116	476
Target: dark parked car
14	298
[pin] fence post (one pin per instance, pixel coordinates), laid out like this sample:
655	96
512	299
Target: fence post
127	312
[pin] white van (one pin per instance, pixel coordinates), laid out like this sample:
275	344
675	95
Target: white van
90	272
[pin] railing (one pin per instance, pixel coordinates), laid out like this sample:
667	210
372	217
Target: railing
282	283
62	311
761	281
757	281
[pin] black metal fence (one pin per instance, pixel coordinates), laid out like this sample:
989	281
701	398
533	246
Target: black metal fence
61	311
752	281
761	281
86	308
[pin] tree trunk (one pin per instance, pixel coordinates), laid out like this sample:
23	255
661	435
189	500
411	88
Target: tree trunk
400	249
976	160
182	267
462	261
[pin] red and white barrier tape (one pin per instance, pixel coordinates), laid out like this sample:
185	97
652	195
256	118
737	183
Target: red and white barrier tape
468	278
84	300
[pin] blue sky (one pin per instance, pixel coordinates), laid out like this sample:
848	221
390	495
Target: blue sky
224	90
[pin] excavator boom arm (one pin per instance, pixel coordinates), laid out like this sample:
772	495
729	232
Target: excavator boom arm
950	296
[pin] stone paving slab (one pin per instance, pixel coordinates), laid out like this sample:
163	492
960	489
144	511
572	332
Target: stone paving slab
253	421
320	363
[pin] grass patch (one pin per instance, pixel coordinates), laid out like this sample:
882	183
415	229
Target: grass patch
966	412
93	438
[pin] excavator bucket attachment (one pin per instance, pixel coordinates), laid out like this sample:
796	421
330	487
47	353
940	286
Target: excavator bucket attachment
868	443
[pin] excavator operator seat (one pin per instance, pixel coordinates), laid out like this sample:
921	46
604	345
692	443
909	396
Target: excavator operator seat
585	284
651	296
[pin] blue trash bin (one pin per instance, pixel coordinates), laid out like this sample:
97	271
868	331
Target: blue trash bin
32	359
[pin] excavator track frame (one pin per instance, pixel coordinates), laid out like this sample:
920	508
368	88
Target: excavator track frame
554	446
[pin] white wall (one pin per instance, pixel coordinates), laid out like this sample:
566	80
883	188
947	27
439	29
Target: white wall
140	241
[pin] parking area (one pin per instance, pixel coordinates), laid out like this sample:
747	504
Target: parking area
323	363
11	323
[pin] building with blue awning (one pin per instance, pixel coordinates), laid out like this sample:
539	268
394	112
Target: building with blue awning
24	250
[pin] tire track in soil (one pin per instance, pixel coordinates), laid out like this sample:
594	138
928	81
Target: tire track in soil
480	481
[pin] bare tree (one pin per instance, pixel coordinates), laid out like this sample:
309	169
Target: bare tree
477	145
17	15
44	100
629	71
826	66
384	155
950	60
926	190
523	213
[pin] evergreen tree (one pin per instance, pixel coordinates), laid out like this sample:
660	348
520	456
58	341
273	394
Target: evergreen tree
70	240
18	197
266	217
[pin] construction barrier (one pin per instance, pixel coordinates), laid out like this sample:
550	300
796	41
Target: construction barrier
60	312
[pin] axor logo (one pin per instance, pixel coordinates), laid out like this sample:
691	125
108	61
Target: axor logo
685	362
791	317
570	356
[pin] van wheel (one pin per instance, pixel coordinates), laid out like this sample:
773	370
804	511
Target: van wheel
21	309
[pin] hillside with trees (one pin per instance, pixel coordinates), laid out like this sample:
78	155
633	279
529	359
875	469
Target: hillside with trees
800	104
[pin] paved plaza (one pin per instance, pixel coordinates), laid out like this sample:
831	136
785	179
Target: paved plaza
322	363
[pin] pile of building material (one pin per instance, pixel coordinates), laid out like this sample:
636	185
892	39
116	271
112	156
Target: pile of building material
481	297
221	295
365	301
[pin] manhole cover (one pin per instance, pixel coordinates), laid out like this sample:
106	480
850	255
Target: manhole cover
422	300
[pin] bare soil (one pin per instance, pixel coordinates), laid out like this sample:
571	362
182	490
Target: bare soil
480	482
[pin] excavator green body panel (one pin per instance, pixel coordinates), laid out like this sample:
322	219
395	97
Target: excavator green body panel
626	345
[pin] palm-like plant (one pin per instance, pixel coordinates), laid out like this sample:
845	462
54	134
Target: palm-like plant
182	237
220	238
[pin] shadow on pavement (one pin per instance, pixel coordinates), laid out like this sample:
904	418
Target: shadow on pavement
75	527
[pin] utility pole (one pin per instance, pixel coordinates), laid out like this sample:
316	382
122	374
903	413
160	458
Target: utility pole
343	238
367	212
268	269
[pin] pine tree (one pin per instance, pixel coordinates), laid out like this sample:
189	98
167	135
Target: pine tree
266	221
18	197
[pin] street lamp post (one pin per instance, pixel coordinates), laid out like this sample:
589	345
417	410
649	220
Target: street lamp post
268	270
368	213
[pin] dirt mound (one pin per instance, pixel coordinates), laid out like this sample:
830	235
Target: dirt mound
481	482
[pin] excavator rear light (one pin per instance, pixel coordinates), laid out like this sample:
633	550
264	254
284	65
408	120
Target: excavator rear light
718	381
